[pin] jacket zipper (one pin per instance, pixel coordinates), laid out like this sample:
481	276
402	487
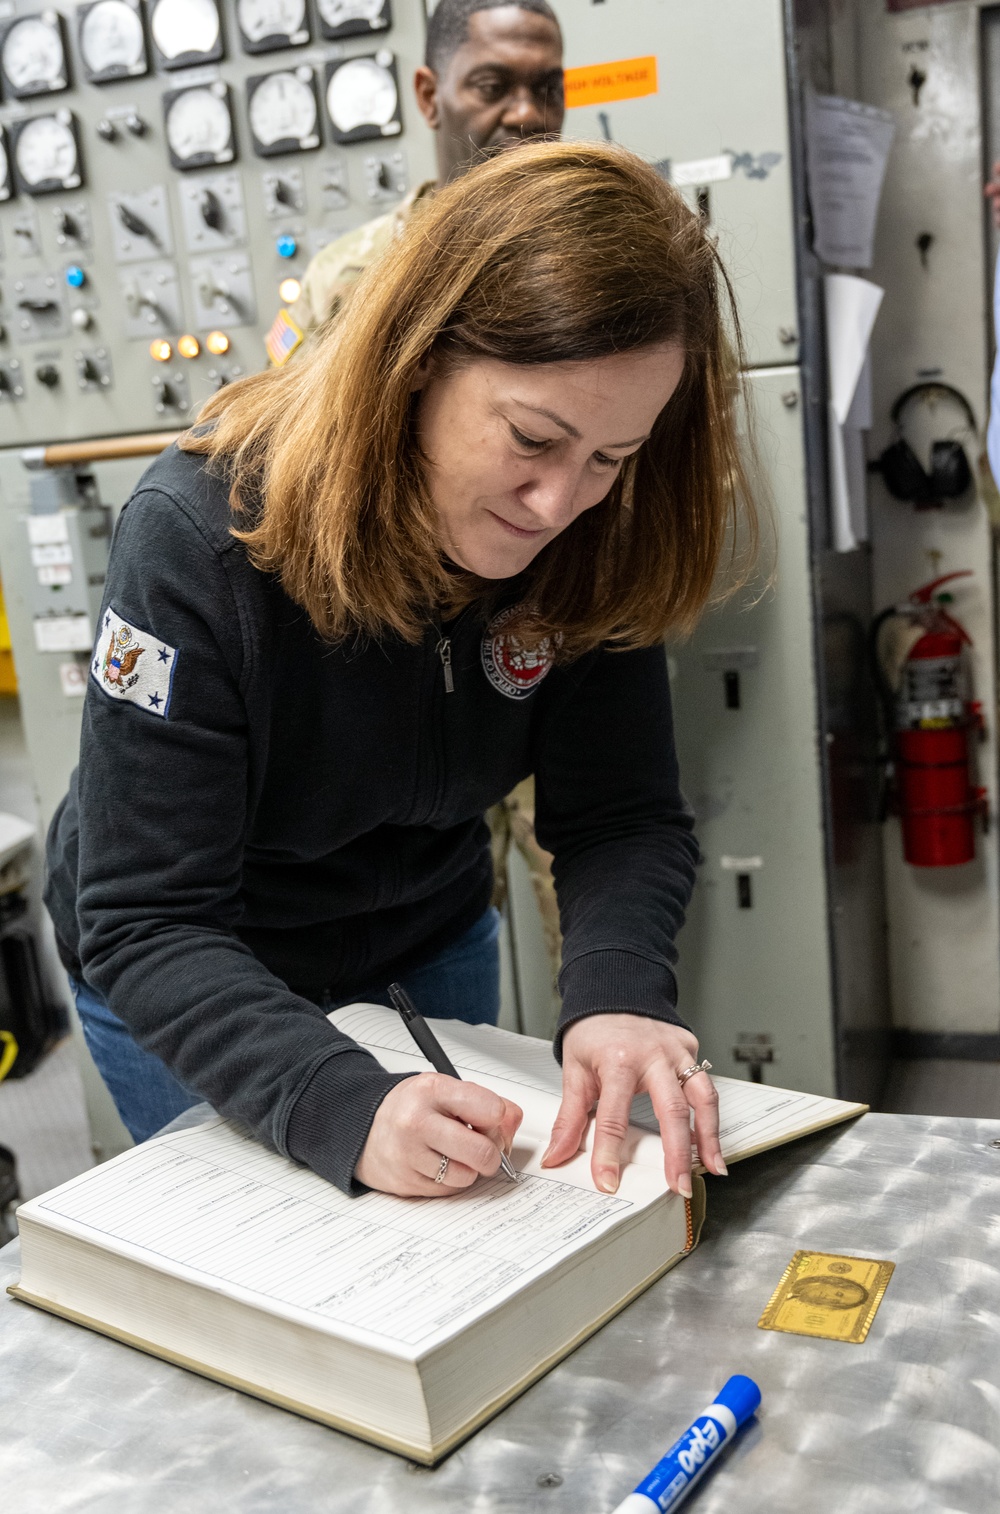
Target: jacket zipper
443	650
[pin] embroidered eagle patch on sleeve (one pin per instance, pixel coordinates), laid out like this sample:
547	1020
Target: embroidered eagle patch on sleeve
130	664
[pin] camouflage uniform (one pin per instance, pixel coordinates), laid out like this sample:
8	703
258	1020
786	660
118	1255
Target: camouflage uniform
327	283
337	266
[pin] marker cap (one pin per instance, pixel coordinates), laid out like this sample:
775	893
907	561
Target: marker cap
741	1396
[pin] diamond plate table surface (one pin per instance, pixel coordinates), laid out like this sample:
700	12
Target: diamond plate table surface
907	1423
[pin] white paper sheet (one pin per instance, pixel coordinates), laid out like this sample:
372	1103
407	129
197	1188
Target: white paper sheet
852	305
847	148
213	1205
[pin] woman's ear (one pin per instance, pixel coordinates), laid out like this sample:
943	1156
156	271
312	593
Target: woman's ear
422	375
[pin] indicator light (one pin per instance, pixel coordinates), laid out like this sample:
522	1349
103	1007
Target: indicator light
159	350
75	276
289	291
217	343
286	247
188	346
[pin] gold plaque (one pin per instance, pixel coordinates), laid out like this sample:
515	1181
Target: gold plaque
831	1296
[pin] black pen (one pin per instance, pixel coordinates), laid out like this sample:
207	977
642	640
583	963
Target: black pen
433	1050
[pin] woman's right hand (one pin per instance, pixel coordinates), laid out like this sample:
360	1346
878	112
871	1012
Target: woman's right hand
426	1118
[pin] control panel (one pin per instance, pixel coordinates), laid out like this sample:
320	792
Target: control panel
167	170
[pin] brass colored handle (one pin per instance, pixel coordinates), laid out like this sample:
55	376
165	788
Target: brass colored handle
63	453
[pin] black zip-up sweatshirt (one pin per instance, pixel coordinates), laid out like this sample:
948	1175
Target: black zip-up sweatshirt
260	819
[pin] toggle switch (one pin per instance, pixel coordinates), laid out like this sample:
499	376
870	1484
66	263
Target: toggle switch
167	397
107	130
47	374
135	224
212	292
212	212
135	124
284	194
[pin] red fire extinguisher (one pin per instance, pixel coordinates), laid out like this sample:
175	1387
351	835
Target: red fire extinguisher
932	718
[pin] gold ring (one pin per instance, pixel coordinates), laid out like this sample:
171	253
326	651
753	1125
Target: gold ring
442	1170
689	1072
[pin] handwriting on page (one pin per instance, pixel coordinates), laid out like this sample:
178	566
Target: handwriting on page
407	1269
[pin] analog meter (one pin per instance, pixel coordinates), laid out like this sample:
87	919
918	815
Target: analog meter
6	187
352	18
46	153
33	56
284	112
199	126
111	40
186	32
267	25
362	98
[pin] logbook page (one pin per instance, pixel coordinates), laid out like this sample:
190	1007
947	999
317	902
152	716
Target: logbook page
753	1117
215	1207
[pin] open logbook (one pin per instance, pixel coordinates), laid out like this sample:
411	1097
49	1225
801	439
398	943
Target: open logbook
406	1321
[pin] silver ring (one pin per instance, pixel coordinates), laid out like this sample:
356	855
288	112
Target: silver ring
689	1072
442	1170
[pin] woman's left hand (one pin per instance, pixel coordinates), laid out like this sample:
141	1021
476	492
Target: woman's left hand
609	1058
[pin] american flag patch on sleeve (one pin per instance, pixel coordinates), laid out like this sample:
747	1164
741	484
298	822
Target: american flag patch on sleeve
282	339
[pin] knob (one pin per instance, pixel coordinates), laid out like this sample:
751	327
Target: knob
135	224
166	395
286	247
211	209
47	374
211	292
108	130
135	124
82	320
75	276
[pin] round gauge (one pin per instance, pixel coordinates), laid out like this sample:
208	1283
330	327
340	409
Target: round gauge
283	109
361	93
199	125
33	57
111	38
45	153
182	27
337	13
272	18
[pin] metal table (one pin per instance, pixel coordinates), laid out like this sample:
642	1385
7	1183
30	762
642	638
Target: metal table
905	1423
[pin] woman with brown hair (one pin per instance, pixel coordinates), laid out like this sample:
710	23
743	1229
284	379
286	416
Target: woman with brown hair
368	594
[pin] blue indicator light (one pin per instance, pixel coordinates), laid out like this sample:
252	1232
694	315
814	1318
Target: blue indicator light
75	276
286	247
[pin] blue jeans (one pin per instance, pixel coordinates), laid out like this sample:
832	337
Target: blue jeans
461	983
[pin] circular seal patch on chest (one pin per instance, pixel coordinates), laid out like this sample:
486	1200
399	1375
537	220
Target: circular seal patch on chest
511	667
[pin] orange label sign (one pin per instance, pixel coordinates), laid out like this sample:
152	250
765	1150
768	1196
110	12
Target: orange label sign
599	83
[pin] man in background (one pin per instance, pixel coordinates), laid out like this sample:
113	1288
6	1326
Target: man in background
492	78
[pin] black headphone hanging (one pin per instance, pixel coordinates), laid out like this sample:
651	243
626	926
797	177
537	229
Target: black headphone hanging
905	476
